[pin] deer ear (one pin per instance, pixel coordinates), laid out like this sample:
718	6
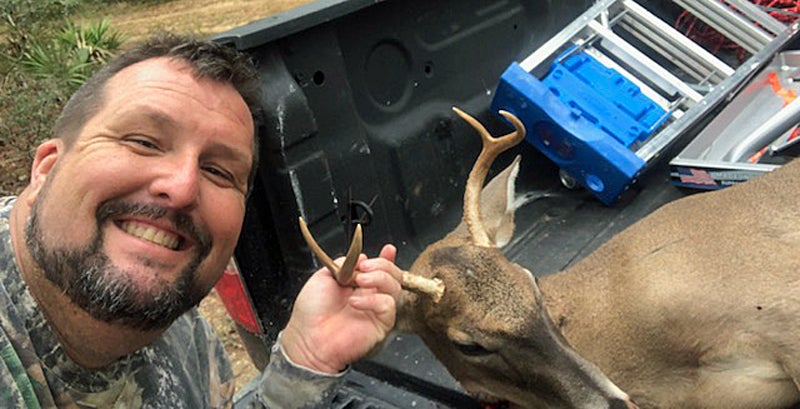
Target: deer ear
498	204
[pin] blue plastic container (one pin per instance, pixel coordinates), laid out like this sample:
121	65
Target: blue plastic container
585	117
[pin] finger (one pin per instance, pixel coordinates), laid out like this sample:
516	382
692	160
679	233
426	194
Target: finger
382	281
381	264
339	261
388	252
380	304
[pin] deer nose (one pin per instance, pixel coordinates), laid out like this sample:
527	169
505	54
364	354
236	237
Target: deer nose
622	404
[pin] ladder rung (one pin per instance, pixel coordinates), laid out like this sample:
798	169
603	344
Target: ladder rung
729	23
673	54
646	89
564	36
683	52
645	74
656	69
757	15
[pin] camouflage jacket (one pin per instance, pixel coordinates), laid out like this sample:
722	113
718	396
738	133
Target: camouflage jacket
184	368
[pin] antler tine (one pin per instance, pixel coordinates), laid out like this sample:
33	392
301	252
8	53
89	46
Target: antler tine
492	147
432	287
344	274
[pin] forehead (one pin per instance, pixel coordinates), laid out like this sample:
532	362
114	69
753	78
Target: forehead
166	91
173	83
486	278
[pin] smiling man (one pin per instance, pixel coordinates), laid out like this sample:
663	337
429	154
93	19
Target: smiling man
133	210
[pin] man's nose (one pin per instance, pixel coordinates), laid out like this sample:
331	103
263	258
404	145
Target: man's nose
177	184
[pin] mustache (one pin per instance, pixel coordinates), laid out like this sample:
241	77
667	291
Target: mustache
182	221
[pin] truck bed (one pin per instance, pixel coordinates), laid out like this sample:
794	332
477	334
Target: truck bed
358	127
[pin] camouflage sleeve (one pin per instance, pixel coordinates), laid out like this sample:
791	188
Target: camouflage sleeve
18	385
284	384
16	390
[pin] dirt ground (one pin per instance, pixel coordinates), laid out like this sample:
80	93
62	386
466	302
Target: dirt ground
137	19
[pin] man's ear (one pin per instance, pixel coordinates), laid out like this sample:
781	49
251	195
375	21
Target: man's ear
44	161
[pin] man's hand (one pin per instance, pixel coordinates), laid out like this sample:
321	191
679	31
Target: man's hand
331	326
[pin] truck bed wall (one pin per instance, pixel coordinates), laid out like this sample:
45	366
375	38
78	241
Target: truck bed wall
357	124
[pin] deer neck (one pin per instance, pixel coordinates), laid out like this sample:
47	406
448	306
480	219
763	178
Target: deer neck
575	298
603	283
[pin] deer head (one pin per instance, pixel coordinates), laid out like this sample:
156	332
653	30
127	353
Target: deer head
489	326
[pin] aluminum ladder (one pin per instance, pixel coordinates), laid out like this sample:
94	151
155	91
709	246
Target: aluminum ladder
634	53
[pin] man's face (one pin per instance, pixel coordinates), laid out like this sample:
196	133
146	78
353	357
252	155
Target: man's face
137	220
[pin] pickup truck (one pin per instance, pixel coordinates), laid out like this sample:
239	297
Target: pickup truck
358	128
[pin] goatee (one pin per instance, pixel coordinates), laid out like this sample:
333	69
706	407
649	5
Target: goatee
107	292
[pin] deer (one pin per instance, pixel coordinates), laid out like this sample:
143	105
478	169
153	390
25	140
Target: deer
693	306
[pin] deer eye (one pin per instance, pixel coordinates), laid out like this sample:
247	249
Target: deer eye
471	349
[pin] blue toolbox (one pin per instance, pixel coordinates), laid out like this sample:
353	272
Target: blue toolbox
585	117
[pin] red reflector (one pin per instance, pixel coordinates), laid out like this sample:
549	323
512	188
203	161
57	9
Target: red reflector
233	295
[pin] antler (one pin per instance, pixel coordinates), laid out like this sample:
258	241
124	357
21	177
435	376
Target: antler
344	275
492	147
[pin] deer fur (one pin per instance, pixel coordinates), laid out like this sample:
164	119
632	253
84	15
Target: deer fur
698	304
695	306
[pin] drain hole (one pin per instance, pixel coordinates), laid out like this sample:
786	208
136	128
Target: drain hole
318	78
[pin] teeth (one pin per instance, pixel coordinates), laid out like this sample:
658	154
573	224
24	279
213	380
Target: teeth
151	234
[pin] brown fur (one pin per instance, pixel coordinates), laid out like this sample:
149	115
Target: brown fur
698	303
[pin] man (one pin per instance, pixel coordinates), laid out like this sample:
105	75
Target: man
131	214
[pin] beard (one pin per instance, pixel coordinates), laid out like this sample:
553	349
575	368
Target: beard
109	293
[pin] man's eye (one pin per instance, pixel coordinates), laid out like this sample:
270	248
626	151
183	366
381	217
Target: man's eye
217	172
143	142
223	177
147	144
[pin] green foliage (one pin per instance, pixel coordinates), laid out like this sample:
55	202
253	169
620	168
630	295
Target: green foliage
52	66
22	20
73	54
29	111
97	40
44	58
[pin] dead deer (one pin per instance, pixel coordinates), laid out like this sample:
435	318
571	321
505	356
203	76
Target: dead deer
491	327
695	306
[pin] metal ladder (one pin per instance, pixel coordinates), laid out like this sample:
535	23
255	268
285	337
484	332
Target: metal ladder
678	75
